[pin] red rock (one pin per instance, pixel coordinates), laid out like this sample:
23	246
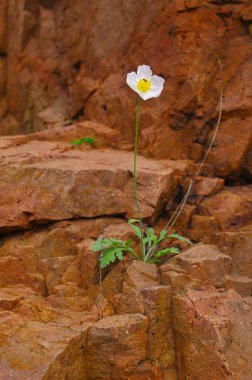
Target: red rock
84	269
2	76
202	185
205	263
11	296
228	154
212	335
250	30
170	375
62	254
11	271
106	171
237	244
35	350
50	65
160	341
241	284
103	135
113	282
141	292
52	78
207	186
248	160
179	280
115	345
53	270
203	227
3	26
246	14
37	282
185	216
232	207
139	276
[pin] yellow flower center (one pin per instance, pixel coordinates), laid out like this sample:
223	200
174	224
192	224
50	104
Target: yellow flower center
144	85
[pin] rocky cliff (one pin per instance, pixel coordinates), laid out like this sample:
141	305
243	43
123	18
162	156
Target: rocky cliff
62	76
63	61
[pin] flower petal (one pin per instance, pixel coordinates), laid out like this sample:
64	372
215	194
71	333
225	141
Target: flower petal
157	82
131	80
143	95
144	72
148	95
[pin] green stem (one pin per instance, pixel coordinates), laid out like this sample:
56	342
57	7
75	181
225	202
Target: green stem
135	178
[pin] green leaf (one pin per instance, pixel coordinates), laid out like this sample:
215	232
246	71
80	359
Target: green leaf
137	230
179	237
163	252
97	245
107	257
86	140
151	236
128	243
111	249
166	251
162	235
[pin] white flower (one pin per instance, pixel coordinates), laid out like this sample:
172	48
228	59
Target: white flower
144	83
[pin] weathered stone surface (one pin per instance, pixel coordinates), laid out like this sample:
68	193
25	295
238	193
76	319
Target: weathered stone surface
33	350
139	276
160	341
205	263
231	208
203	227
84	269
53	270
103	135
37	282
56	81
230	149
207	186
3	63
200	267
241	284
248	162
11	271
51	255
75	87
141	292
184	218
238	245
11	296
212	335
3	26
73	183
115	345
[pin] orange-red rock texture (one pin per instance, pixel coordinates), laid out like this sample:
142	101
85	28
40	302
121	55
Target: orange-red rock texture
62	76
62	61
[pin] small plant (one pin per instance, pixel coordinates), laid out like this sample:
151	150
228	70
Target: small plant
84	140
112	249
146	86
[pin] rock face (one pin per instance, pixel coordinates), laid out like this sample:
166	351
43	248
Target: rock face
209	324
213	325
61	77
38	177
61	318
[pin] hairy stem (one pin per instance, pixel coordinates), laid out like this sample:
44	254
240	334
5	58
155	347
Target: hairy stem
135	178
